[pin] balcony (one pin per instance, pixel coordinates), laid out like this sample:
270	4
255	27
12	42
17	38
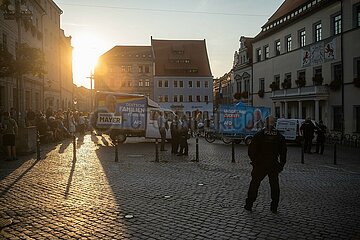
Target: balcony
308	91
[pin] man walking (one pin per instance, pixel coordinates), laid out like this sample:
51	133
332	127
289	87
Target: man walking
9	129
175	136
265	149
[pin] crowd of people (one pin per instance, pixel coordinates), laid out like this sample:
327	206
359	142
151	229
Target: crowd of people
52	126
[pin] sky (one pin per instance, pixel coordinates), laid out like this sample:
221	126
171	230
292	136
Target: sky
98	25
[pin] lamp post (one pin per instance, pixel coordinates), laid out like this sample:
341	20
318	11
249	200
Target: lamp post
17	12
91	90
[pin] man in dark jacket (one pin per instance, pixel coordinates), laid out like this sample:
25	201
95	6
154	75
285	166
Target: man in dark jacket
266	147
307	129
175	135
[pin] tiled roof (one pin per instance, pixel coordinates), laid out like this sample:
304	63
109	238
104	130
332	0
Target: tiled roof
286	7
181	58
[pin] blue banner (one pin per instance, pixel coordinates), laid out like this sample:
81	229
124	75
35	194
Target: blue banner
240	119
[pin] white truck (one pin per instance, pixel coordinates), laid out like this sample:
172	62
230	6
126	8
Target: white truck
122	115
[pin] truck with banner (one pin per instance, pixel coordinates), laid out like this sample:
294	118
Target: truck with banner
241	122
123	115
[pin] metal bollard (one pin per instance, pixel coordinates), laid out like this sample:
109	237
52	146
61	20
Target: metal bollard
116	150
335	160
232	151
156	150
197	148
38	156
302	154
74	147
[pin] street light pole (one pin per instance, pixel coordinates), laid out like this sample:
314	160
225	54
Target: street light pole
91	90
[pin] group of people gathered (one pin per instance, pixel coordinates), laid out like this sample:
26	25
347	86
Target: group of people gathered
51	126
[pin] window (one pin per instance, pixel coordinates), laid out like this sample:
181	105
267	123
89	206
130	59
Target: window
190	84
123	68
160	84
288	43
318	71
166	83
317	32
337	72
206	84
302	38
198	84
175	83
198	98
258	55
247	85
262	84
206	99
181	84
181	98
147	69
357	67
175	98
140	69
160	98
277	48
147	83
128	68
337	116
277	79
287	80
238	86
129	84
166	98
141	83
337	24
301	75
266	52
357	118
190	98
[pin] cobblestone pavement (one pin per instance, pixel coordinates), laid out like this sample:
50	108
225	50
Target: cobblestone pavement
94	197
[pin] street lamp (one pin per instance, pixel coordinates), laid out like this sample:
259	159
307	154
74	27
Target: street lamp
17	12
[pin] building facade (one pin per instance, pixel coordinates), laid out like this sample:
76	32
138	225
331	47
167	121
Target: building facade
306	61
127	69
39	27
242	71
182	78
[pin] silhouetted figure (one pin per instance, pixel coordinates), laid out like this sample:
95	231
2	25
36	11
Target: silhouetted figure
9	129
162	129
307	130
184	131
264	151
320	139
175	135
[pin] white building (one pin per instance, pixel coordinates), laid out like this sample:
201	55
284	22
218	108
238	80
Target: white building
183	81
309	52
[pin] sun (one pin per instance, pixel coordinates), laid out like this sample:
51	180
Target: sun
87	48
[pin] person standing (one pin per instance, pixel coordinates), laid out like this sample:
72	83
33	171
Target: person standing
320	139
162	129
266	147
307	129
174	129
9	129
184	131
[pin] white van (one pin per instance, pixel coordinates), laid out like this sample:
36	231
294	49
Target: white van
290	129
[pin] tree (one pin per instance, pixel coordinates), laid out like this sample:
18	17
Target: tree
29	61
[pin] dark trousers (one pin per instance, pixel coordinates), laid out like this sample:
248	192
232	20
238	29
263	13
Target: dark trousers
174	142
184	148
163	138
307	144
320	145
258	174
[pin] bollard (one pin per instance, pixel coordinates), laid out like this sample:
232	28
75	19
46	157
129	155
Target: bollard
74	147
116	150
38	157
302	153
335	154
156	151
232	151
197	148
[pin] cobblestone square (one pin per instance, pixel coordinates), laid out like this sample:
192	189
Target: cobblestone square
94	197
